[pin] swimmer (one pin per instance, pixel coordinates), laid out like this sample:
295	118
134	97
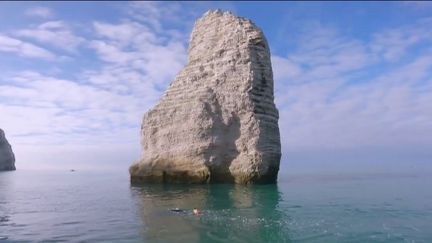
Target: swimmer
196	211
177	210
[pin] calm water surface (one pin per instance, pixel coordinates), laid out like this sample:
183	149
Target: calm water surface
89	206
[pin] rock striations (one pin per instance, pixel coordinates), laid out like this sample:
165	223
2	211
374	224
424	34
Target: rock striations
217	122
7	158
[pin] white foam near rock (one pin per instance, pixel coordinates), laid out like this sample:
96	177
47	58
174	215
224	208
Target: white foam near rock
217	121
7	157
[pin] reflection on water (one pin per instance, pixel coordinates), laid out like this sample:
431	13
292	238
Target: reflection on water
102	207
236	213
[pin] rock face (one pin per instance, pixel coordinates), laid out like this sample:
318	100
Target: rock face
217	122
7	158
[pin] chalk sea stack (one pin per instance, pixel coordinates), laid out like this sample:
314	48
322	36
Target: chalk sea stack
217	121
7	157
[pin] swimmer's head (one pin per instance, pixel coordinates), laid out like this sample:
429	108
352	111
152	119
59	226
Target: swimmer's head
195	211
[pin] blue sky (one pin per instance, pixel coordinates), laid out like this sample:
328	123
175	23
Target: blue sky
353	81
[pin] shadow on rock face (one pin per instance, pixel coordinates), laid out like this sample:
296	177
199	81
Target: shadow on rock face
223	149
229	213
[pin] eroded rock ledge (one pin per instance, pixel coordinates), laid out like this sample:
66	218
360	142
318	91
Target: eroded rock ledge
217	121
7	157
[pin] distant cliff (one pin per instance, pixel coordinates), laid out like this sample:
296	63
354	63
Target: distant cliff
217	122
7	157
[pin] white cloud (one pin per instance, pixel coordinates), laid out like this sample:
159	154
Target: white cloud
284	68
328	98
102	105
393	44
325	54
22	48
136	58
54	33
423	5
58	107
125	33
111	53
172	21
41	12
154	13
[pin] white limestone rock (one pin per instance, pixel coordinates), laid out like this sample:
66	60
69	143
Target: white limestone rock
217	121
7	157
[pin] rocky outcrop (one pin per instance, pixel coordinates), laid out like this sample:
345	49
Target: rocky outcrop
217	121
7	157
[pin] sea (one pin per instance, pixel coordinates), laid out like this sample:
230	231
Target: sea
90	206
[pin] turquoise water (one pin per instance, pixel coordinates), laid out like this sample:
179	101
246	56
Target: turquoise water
88	206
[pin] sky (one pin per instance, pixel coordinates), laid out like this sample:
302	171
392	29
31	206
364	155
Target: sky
353	80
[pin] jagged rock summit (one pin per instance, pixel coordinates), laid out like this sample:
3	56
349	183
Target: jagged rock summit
7	157
217	121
